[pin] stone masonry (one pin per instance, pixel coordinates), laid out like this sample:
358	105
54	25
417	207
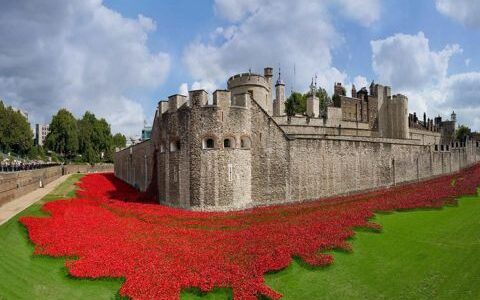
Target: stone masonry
242	150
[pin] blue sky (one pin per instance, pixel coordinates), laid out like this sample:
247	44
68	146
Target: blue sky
117	58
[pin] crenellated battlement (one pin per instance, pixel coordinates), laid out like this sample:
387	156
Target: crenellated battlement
399	97
176	101
242	149
247	79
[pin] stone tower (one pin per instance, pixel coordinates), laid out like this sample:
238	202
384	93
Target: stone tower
354	91
279	102
313	103
258	86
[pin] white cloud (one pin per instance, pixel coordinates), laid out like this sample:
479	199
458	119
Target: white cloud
464	11
79	55
364	12
206	85
461	93
264	36
234	10
360	82
467	62
407	62
183	89
463	90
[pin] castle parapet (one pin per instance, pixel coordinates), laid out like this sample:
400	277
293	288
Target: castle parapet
175	101
222	98
198	98
249	79
162	106
260	87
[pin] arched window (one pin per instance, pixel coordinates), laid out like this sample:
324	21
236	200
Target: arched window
245	142
162	148
175	146
208	143
229	143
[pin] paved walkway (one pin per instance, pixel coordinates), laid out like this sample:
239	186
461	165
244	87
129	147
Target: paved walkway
10	209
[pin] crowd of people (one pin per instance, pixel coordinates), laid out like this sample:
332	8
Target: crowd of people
15	165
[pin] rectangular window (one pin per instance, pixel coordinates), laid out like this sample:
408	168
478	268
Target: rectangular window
230	172
175	177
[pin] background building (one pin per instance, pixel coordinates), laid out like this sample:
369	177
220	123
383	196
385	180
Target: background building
41	131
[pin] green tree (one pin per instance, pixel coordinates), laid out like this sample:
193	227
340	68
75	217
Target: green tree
95	139
119	141
323	98
3	122
15	132
296	104
325	101
63	135
462	132
37	152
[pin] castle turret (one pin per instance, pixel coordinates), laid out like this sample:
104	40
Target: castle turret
313	103
260	87
175	101
279	102
268	74
198	98
162	106
454	117
373	91
338	89
354	91
397	117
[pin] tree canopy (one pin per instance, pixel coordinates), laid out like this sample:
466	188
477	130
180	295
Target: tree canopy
15	132
63	135
462	132
95	138
88	139
297	102
119	141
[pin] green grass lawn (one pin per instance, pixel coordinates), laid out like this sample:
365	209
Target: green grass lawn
23	276
422	254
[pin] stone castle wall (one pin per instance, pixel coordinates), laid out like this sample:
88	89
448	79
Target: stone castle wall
317	168
285	161
17	184
134	165
234	154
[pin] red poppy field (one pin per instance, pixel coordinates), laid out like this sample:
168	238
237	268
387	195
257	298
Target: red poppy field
107	232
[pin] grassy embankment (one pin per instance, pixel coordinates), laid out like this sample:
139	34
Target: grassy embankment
421	254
